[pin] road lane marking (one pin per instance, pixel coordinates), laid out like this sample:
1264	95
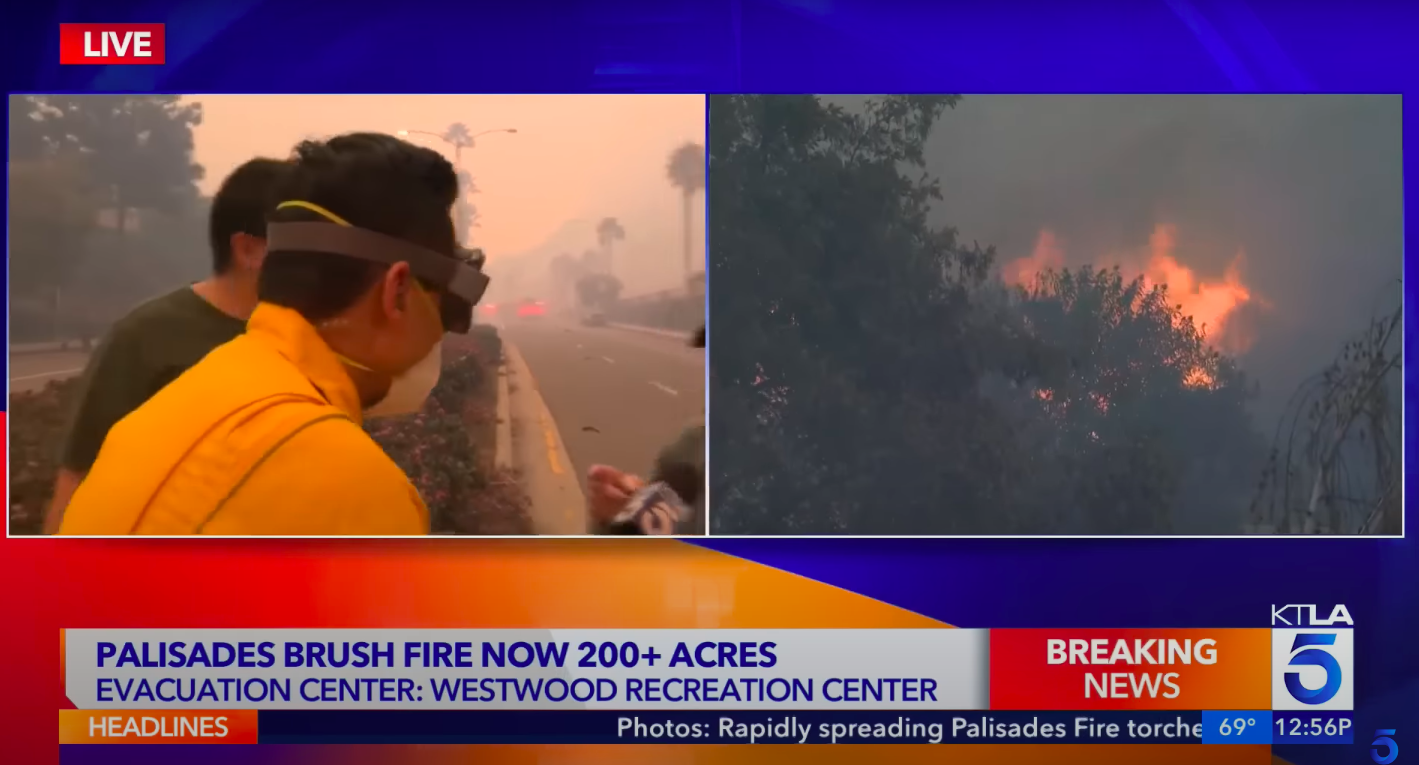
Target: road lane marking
22	378
665	388
608	359
550	437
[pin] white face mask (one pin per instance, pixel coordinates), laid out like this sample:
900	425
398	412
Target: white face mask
409	391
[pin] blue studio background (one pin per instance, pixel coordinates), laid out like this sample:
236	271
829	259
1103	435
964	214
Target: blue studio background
876	46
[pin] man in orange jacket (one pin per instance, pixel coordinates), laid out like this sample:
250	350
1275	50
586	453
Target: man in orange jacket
362	278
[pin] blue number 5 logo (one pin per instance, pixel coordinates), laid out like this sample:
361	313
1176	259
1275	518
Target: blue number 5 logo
1382	739
1313	657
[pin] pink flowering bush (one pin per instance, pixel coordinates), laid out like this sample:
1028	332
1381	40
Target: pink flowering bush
444	447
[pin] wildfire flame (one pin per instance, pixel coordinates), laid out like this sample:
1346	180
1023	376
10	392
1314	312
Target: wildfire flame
1047	256
1212	304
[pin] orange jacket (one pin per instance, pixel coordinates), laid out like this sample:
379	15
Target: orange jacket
261	437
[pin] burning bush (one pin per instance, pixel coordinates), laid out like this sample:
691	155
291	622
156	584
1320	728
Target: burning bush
445	449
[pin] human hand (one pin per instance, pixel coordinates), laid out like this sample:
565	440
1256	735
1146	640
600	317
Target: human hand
608	490
657	520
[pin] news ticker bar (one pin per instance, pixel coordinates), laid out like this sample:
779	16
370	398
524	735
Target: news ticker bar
779	671
702	727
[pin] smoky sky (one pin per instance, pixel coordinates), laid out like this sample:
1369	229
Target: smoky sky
1308	186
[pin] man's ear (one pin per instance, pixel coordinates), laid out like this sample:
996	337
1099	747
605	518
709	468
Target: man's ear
247	251
396	285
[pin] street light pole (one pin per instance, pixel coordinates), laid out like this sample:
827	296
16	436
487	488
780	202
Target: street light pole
462	214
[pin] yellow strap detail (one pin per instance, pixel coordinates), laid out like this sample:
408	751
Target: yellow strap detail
317	209
353	363
261	461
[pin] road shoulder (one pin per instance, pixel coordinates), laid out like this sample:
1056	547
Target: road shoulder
558	506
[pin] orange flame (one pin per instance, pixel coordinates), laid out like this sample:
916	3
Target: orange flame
1213	305
1047	256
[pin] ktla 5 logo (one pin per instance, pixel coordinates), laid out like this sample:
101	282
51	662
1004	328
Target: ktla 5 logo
1312	669
1384	742
1295	615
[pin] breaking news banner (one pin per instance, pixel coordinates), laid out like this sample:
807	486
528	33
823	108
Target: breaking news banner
705	686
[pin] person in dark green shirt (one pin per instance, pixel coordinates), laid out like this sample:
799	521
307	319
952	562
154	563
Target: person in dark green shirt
162	338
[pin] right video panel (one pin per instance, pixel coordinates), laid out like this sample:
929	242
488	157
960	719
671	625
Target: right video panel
1055	315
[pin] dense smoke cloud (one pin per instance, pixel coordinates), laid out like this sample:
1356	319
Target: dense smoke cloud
1308	187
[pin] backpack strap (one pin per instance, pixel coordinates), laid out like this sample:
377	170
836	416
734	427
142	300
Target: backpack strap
216	467
261	460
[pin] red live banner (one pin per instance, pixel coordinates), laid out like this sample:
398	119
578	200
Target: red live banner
112	44
1130	669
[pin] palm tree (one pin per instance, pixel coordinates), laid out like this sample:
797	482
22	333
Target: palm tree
608	232
459	137
465	182
687	172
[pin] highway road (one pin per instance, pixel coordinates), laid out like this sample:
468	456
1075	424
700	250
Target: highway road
31	371
618	396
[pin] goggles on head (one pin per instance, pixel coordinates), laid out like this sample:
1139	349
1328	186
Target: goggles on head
460	278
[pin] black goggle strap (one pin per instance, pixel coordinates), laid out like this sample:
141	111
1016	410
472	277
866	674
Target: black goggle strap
448	274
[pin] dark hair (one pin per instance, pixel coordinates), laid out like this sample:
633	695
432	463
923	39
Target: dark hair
241	206
371	180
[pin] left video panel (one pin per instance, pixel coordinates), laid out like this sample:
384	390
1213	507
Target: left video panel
346	315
